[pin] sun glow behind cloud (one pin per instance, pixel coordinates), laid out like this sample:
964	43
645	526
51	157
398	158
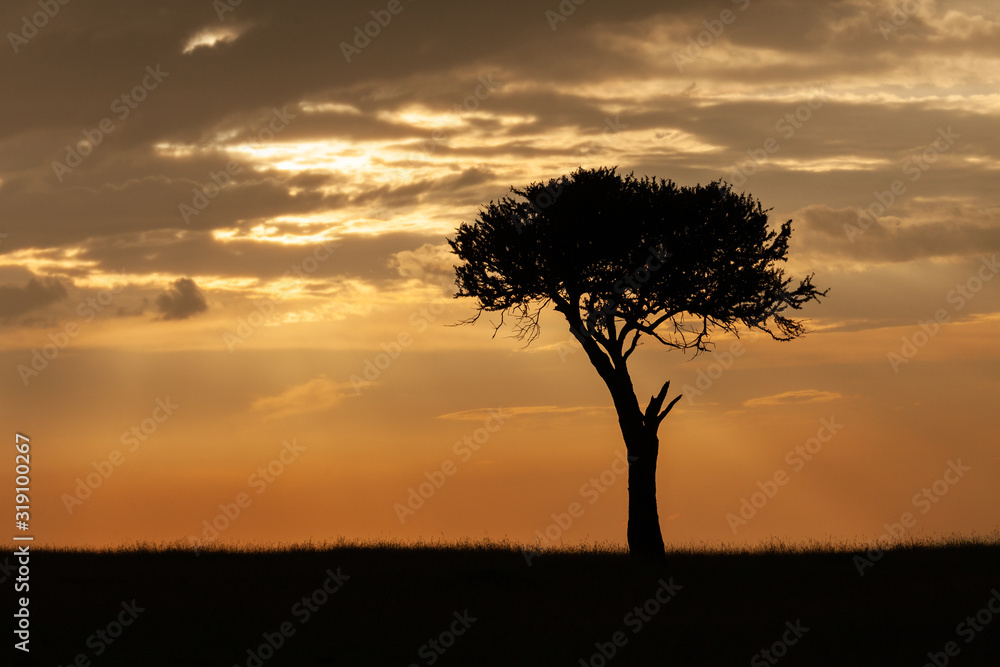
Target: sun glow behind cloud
212	35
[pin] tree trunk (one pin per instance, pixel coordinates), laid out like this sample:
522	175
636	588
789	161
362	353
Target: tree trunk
645	541
639	432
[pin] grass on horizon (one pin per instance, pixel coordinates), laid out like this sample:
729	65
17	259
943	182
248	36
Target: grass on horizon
562	607
773	545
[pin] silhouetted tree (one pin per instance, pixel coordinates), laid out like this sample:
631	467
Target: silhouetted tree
622	258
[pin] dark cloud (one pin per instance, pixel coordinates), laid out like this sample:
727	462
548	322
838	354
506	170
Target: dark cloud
844	234
355	256
872	296
181	301
556	90
17	300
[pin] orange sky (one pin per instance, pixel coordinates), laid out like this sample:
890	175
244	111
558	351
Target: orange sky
257	248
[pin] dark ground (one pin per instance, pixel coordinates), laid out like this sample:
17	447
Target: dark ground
213	608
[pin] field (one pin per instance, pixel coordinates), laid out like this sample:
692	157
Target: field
483	604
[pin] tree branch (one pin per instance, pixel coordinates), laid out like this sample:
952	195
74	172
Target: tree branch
666	410
654	415
631	347
654	404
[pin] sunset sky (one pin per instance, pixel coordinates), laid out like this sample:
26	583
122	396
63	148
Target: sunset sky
223	266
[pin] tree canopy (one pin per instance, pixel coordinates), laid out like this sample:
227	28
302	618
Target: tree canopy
623	257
